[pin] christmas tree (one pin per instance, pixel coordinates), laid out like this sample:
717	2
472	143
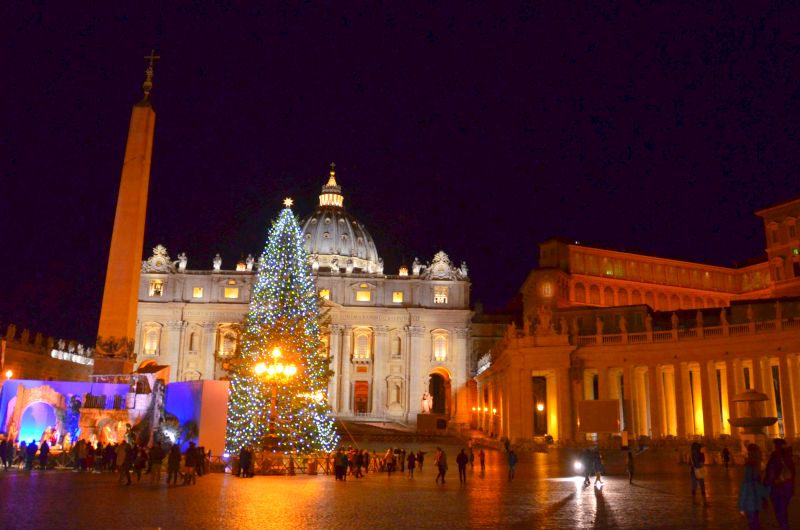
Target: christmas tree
279	376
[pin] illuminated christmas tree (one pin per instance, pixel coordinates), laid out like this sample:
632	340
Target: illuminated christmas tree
279	377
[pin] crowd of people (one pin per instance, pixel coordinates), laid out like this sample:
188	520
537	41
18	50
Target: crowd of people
126	459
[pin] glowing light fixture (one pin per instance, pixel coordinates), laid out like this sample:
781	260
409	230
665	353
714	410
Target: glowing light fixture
9	374
540	407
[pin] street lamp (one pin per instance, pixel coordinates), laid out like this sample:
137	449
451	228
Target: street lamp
9	373
274	372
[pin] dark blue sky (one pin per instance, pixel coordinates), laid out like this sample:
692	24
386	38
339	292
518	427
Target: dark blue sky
477	128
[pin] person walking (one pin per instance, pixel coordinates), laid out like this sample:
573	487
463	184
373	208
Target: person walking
779	477
512	464
420	459
3	457
412	463
462	460
482	459
726	457
190	465
697	470
752	493
440	460
139	462
173	464
629	465
156	461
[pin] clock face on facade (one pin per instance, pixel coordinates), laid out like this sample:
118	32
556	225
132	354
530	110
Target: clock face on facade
159	263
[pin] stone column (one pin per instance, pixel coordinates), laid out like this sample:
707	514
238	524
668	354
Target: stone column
207	352
335	364
656	412
733	367
668	396
380	360
787	401
459	385
627	395
345	404
566	423
769	390
417	380
170	348
757	377
794	378
602	382
526	404
682	399
706	387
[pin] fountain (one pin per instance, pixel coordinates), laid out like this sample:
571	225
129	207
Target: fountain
751	417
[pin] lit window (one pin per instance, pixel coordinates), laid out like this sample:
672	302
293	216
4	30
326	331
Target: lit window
796	251
197	292
156	287
547	289
403	271
440	347
361	350
397	297
231	292
231	282
325	294
151	339
440	295
363	296
241	266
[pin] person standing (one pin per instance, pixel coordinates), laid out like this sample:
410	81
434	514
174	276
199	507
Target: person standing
697	470
779	477
174	464
482	458
512	464
3	456
420	459
190	465
30	451
124	463
44	451
726	457
440	460
629	465
461	460
752	494
412	463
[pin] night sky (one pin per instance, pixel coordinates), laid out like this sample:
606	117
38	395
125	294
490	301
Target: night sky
477	128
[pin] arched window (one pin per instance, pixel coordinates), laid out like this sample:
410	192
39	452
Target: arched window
687	302
636	297
580	293
440	346
193	341
649	299
608	296
674	302
662	301
362	342
594	295
152	338
622	295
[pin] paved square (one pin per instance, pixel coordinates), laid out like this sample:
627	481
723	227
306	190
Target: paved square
543	495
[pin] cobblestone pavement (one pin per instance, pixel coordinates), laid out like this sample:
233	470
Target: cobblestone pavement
543	495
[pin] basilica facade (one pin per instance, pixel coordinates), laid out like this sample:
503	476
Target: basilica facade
616	342
392	339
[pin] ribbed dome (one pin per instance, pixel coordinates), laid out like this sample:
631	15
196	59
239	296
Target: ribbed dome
335	240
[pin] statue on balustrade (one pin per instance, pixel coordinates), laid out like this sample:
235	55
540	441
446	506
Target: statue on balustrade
623	325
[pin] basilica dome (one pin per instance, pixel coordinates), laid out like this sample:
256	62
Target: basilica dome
335	240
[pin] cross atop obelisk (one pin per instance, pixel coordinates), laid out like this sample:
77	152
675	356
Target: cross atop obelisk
147	86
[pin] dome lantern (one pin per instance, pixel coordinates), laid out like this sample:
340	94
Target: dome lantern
331	192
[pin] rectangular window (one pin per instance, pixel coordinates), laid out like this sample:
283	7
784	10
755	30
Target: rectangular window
156	287
792	231
363	296
197	292
325	294
440	295
397	297
231	292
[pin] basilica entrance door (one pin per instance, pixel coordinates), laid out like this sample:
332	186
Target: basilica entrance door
440	390
361	397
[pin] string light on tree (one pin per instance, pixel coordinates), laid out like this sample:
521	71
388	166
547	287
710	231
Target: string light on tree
278	397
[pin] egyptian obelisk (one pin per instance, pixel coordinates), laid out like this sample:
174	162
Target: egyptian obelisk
117	329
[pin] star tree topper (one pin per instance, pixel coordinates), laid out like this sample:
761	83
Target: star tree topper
288	202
